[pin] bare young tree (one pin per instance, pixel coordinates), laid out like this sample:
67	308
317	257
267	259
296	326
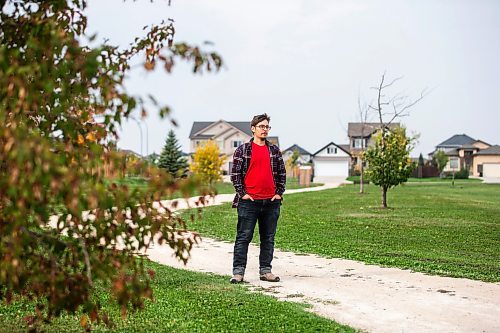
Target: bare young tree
384	172
399	103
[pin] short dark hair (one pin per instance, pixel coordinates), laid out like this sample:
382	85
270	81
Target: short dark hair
258	118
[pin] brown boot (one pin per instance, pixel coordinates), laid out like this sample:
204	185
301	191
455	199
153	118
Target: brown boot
269	277
237	278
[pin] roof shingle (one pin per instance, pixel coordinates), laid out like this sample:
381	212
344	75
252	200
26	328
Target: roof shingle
243	126
457	140
493	150
198	126
301	150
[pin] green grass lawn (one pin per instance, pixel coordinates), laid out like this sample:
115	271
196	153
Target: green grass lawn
437	229
189	302
219	188
429	180
293	183
142	183
443	180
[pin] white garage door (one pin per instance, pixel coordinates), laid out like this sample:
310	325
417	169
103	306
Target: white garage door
491	170
331	168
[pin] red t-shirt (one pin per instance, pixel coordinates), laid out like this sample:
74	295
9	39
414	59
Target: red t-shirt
259	181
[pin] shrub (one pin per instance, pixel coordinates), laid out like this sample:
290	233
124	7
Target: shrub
207	163
357	179
462	174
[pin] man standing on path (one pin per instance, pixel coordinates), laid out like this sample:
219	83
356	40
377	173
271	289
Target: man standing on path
258	175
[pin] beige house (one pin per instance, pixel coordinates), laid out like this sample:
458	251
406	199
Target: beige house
486	162
228	135
360	137
461	150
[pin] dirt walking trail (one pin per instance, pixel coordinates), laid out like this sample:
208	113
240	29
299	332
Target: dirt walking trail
366	297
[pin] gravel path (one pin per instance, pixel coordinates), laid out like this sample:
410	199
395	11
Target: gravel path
366	297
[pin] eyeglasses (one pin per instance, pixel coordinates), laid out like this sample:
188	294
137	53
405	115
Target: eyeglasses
264	127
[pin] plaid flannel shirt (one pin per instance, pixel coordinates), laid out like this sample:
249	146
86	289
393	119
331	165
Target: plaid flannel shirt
241	161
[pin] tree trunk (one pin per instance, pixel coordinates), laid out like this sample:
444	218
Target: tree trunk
384	197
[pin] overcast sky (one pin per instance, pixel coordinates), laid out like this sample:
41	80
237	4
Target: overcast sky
304	62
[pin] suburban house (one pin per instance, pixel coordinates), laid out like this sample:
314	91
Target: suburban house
227	134
360	137
304	155
486	162
303	158
461	150
330	162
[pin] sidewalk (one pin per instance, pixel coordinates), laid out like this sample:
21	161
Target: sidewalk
179	204
491	180
362	296
366	297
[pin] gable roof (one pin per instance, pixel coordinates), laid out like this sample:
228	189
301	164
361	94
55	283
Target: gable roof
457	140
301	150
333	143
493	150
345	147
481	141
354	129
199	126
469	146
243	126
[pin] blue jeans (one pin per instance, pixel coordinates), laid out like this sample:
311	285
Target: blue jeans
266	212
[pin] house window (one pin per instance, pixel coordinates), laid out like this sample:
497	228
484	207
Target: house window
331	150
199	142
237	143
454	163
359	143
